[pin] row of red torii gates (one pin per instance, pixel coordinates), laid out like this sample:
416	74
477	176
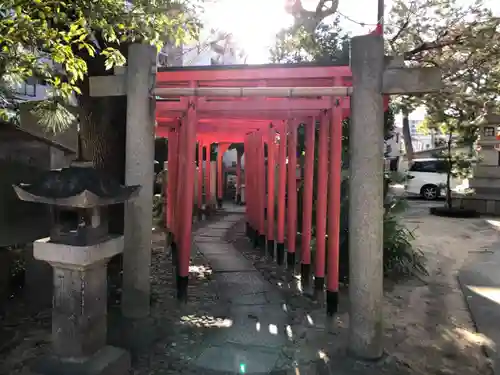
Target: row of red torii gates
259	106
263	105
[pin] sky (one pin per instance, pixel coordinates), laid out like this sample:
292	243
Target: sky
254	29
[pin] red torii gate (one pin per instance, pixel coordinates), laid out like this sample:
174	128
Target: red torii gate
257	105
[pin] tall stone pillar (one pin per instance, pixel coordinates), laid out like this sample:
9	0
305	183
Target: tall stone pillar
366	137
139	171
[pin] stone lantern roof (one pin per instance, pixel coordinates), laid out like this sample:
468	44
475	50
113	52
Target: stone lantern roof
77	186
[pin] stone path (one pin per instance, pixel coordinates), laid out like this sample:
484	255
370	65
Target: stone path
256	328
480	283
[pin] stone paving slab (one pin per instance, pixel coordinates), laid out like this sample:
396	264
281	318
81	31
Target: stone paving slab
251	333
216	232
208	235
215	247
206	239
480	283
243	282
233	218
231	358
247	299
265	314
227	262
221	225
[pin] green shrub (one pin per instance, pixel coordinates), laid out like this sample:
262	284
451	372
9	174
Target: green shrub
158	211
401	258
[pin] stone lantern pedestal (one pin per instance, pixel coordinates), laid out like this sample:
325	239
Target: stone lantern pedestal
79	314
486	175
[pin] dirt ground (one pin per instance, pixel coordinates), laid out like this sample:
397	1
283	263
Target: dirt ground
428	323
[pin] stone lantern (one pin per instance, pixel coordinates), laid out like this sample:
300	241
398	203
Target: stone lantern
78	249
486	175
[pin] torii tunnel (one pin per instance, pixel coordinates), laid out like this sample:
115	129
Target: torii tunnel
258	106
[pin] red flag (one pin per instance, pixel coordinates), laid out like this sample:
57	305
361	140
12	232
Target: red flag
378	30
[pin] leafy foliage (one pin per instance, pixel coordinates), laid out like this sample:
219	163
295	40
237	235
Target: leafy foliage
328	44
53	41
458	164
463	41
401	258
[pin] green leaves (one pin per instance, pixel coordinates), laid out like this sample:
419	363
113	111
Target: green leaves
56	41
328	44
53	115
463	41
113	58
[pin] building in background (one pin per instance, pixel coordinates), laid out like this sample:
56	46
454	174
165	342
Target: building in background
421	139
216	48
393	149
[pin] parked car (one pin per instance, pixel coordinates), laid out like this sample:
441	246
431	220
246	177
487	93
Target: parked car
427	178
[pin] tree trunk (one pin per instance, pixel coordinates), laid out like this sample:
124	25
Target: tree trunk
448	175
407	135
103	131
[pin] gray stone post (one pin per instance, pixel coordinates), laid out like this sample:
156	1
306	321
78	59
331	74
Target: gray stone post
79	314
366	139
138	171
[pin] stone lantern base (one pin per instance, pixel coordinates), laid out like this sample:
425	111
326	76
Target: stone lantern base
79	313
483	204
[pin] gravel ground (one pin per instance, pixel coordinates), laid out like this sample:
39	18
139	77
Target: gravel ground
428	328
179	328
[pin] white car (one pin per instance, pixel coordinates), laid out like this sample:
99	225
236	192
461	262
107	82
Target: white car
427	178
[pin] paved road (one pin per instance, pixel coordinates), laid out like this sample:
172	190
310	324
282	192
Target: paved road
416	206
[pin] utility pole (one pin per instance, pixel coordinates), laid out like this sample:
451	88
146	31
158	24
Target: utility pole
380	14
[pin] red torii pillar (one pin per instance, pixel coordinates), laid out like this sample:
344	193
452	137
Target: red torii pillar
334	181
186	203
208	185
253	204
261	181
292	194
172	156
178	195
280	235
220	173
200	179
271	146
238	176
321	203
248	228
307	199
